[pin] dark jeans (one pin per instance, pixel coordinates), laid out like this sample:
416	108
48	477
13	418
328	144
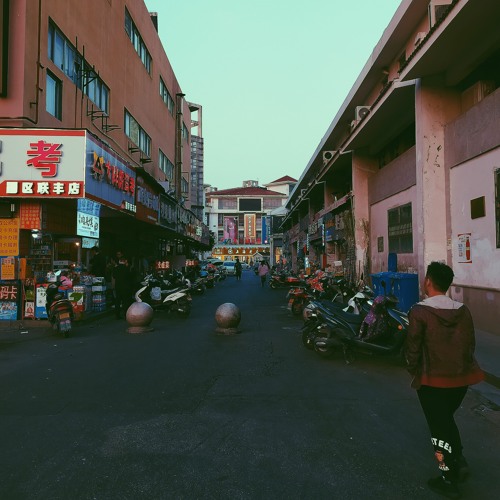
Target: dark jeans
439	406
123	300
263	280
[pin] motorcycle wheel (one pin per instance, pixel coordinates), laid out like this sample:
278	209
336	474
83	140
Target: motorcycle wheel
307	341
184	309
324	351
272	285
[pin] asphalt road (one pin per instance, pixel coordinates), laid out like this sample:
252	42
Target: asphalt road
184	413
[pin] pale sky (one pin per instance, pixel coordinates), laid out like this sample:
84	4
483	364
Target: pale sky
269	74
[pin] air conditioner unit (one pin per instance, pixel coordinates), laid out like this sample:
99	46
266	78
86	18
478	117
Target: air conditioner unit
437	10
328	155
361	112
419	37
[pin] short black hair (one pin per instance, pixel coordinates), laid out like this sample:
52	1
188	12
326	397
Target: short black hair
441	275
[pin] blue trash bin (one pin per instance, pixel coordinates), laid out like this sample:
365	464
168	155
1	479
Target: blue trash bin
403	285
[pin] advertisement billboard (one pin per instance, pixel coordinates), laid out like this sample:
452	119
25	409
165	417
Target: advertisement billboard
39	163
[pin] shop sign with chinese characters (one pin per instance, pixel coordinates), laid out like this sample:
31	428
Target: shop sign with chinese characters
87	225
108	179
250	221
38	163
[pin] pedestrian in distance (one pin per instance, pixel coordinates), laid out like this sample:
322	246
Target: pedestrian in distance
122	285
237	269
440	358
263	272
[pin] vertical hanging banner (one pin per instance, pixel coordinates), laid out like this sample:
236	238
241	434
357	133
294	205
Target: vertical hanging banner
250	231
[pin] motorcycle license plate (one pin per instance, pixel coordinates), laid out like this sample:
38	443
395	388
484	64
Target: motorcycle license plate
64	316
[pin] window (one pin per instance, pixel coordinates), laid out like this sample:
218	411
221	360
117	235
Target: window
400	229
497	205
62	53
137	134
167	98
53	93
166	165
185	133
184	186
228	203
250	205
272	202
137	42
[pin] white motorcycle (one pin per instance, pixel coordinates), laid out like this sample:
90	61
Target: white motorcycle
161	294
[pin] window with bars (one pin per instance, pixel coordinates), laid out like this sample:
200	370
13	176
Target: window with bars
137	41
53	95
65	56
166	166
137	134
400	228
167	98
185	132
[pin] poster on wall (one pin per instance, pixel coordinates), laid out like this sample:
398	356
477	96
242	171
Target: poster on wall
230	230
9	237
464	248
9	301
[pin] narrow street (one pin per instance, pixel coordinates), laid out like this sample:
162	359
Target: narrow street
184	413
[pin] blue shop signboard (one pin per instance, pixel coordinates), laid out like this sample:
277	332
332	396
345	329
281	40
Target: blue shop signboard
108	179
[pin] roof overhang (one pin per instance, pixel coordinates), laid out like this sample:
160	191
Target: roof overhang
466	37
389	117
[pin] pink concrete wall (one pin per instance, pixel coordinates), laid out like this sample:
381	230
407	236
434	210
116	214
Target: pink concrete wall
378	227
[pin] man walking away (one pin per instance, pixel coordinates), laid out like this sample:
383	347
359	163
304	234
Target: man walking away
122	284
440	357
237	269
263	272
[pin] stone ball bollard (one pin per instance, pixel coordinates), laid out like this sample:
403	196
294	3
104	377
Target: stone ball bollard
139	316
228	317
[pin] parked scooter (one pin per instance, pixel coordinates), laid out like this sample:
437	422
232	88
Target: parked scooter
59	309
320	287
285	280
160	294
380	330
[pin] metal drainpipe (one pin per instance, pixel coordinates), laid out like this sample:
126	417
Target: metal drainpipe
179	147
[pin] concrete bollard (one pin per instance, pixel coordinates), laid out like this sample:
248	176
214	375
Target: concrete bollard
228	317
139	316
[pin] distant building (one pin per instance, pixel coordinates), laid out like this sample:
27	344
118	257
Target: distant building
241	221
197	148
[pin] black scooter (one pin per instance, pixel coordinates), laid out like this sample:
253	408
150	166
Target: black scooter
59	310
376	327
